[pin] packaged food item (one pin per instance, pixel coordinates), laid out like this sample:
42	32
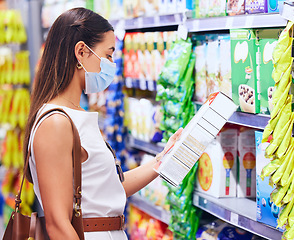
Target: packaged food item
200	131
225	65
268	39
255	6
244	70
266	211
235	7
273	5
217	172
247	163
212	65
217	8
200	70
202	8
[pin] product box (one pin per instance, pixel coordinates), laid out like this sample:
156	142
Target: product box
247	163
202	8
274	5
266	211
217	167
255	6
268	39
225	65
216	8
196	136
200	70
243	63
235	7
212	64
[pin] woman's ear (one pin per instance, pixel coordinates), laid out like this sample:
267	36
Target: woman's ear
80	51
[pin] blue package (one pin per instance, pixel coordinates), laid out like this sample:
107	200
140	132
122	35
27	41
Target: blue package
266	211
233	233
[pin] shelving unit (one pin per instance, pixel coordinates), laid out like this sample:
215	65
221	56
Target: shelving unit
149	208
203	24
148	147
237	211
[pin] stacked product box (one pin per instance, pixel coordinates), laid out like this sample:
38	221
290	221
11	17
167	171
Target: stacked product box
247	163
235	7
266	211
255	6
196	136
244	70
217	169
268	39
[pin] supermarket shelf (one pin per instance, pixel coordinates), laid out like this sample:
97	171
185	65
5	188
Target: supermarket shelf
240	212
149	147
258	121
149	208
241	21
140	84
203	24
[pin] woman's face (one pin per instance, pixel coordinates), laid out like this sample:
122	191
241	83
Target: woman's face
103	49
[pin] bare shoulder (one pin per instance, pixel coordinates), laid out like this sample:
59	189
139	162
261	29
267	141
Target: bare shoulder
55	131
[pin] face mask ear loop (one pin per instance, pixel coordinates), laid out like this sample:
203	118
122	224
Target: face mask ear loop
93	52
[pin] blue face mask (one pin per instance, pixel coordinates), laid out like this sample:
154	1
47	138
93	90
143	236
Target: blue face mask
97	82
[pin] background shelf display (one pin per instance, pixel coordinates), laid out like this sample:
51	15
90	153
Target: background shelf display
203	24
149	208
258	121
148	147
240	212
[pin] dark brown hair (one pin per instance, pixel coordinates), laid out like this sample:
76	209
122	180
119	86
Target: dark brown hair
58	61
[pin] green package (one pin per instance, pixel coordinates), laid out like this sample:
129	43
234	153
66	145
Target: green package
244	77
268	39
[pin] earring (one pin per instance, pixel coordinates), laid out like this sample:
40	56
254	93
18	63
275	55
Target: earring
79	66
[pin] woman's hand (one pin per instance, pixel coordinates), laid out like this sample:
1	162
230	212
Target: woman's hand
171	142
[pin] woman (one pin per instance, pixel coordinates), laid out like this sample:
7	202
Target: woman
77	56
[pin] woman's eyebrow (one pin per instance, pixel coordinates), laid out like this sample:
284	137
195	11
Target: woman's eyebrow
112	48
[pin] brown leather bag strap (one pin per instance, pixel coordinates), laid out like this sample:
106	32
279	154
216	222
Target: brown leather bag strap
76	153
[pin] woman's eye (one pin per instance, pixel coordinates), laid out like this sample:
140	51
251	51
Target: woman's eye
109	56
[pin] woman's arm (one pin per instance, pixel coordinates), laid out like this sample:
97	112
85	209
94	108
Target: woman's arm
141	176
53	145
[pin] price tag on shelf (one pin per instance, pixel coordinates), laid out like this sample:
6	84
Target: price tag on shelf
182	31
120	30
178	18
129	82
234	218
249	21
195	25
142	84
229	22
140	22
156	20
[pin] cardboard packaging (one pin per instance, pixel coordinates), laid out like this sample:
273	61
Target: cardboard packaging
235	7
247	163
268	39
217	169
225	65
244	70
266	211
196	136
255	6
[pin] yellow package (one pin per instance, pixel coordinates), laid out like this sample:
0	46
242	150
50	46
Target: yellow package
279	173
281	101
270	168
284	214
289	234
283	43
278	194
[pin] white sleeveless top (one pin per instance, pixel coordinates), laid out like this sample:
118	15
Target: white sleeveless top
102	192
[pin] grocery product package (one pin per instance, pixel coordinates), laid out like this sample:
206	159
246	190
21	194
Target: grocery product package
266	211
220	230
268	39
217	169
202	8
225	65
247	163
274	5
200	69
235	7
244	67
199	132
212	64
255	6
217	8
